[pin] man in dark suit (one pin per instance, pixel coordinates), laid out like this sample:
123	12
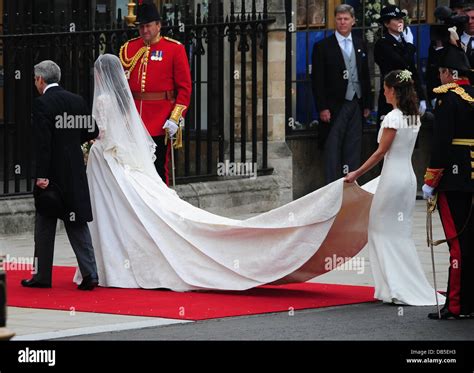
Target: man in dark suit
393	52
467	37
341	90
61	123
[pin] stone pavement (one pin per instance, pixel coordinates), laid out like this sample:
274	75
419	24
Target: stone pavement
34	324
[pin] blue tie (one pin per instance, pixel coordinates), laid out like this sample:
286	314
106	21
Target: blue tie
346	46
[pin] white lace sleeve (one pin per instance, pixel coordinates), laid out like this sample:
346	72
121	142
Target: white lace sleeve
100	112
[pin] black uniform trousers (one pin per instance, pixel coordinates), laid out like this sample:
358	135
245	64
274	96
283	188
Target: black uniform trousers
163	154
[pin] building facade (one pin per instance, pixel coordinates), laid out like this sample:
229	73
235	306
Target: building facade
252	90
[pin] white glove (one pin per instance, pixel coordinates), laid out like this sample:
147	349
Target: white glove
422	108
427	191
433	103
172	127
453	35
408	35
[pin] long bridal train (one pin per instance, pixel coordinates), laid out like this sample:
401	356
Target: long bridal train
145	236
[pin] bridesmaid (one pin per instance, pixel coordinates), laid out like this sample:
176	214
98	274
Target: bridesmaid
397	271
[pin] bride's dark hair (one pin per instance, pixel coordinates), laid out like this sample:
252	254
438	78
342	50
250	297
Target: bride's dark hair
407	99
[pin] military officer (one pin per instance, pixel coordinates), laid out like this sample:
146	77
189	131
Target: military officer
451	175
159	76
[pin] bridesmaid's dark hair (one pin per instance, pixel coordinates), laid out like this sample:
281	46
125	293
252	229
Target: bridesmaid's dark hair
407	98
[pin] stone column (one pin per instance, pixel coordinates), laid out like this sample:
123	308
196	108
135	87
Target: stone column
276	71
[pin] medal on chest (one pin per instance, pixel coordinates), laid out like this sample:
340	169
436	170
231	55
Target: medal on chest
157	56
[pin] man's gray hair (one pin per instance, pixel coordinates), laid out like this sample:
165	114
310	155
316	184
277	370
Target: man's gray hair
49	71
344	8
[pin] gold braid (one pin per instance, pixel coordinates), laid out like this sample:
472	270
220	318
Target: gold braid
453	87
464	95
129	63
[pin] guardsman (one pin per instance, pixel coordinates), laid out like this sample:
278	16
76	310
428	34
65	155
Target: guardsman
451	176
159	76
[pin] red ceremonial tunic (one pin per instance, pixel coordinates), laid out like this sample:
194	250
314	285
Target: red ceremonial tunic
162	69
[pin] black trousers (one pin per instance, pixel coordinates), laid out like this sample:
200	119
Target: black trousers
343	147
454	210
80	239
163	154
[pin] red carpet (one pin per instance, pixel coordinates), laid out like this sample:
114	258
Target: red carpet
188	306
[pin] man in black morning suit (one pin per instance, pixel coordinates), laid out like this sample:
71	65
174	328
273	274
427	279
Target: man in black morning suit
393	52
60	125
341	90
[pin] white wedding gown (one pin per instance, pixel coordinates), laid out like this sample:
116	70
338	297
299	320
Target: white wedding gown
145	236
397	271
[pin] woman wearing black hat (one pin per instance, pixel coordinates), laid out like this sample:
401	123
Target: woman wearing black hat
393	52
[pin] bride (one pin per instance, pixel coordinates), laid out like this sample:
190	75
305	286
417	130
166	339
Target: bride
396	268
145	236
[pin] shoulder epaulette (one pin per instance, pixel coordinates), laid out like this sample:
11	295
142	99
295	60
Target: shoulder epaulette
455	88
445	88
171	40
128	41
138	37
129	63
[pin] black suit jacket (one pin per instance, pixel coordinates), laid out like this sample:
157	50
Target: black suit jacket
391	55
470	56
59	156
328	83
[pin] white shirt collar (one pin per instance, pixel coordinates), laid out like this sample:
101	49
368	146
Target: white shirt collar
397	37
341	38
465	37
50	86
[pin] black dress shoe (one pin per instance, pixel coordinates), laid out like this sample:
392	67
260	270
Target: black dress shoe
33	283
88	283
445	315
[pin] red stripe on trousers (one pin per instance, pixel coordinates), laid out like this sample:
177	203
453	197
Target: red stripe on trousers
454	304
167	161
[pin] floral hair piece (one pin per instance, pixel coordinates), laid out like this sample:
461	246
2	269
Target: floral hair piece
404	76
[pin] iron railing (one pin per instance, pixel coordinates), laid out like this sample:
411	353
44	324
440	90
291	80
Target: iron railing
221	48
